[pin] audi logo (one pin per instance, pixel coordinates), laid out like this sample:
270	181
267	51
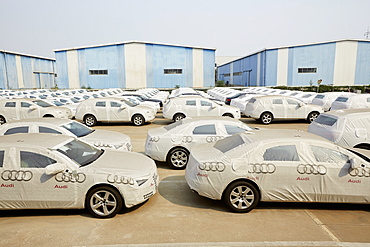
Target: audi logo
212	166
120	179
187	139
262	168
14	175
311	169
70	177
359	172
210	139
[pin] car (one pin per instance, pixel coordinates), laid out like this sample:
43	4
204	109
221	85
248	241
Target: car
278	165
20	108
272	107
111	109
103	139
354	101
326	99
51	171
172	143
348	127
192	106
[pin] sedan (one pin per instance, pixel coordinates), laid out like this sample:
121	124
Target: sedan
172	143
41	171
103	139
278	165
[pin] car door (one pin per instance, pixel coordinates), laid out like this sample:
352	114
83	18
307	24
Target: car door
118	111
33	188
295	109
208	108
100	110
278	108
10	110
28	110
205	133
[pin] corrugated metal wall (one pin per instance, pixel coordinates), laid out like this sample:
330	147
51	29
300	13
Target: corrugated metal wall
344	62
135	65
19	71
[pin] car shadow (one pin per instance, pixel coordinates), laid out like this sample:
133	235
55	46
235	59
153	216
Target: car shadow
175	190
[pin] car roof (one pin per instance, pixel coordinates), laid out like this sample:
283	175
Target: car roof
348	112
56	121
208	118
34	140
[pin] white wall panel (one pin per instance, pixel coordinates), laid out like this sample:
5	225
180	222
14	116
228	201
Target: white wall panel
18	62
73	72
198	68
345	63
135	65
282	67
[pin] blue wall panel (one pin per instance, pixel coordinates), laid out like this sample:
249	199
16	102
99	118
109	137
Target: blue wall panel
3	75
271	68
209	68
61	70
362	75
320	56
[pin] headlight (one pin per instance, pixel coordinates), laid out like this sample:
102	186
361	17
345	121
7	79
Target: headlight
212	166
141	181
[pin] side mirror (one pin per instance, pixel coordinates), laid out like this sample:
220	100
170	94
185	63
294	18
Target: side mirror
213	106
122	107
55	168
301	104
32	107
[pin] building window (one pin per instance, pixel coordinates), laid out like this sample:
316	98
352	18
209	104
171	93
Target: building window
307	70
98	72
227	74
173	71
237	73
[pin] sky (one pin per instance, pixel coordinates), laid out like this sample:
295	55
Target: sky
233	27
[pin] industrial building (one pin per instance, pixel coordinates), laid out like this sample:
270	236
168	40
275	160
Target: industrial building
338	63
22	71
135	65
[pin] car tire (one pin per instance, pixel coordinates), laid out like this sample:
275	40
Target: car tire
103	202
312	116
2	120
241	197
266	118
178	117
90	120
228	115
178	158
48	115
363	146
138	120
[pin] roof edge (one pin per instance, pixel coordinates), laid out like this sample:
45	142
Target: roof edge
27	55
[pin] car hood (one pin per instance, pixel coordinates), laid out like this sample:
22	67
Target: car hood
106	137
124	163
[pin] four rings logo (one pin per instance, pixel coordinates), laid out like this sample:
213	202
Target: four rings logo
359	172
311	169
210	139
70	177
187	139
262	168
120	179
14	175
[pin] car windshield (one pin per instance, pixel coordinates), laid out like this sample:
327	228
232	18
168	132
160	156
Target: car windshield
42	103
57	103
80	152
342	99
77	129
325	120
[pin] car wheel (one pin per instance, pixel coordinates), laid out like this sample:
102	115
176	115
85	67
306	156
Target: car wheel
2	120
178	117
241	197
103	202
48	115
312	116
367	147
90	120
138	120
178	158
228	115
266	118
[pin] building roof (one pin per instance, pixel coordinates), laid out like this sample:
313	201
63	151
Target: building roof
131	42
26	55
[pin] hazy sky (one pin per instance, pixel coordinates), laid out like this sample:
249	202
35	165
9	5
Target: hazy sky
233	27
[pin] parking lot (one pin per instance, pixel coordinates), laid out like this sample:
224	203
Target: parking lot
176	216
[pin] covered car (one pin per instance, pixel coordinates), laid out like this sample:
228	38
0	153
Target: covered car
349	127
326	99
193	106
353	101
21	108
273	107
278	165
103	139
172	143
111	109
42	171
